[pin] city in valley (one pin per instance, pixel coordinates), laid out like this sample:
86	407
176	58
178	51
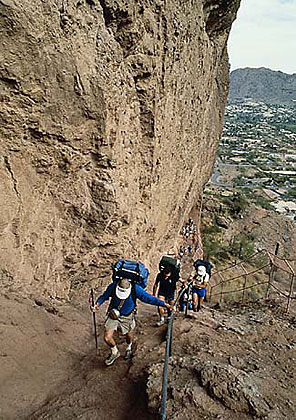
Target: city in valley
257	155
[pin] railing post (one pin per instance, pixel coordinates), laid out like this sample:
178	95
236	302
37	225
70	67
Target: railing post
270	278
240	250
210	297
290	293
221	291
222	287
245	282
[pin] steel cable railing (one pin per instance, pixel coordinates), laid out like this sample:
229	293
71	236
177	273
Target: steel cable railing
240	276
168	352
239	290
282	293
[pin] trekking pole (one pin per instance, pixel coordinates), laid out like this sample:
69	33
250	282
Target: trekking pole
94	317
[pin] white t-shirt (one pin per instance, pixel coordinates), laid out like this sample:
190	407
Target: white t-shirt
201	281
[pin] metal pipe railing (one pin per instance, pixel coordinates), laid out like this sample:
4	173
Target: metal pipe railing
168	353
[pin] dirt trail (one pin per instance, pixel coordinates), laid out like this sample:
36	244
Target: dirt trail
50	369
94	391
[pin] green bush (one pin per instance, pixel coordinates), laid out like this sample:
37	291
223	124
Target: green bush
264	203
212	229
242	246
292	192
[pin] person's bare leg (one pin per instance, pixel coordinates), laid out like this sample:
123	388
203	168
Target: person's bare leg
108	338
161	312
194	301
171	302
129	337
197	302
129	341
160	308
200	300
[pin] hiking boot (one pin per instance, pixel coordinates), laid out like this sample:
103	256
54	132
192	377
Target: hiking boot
128	354
111	358
160	323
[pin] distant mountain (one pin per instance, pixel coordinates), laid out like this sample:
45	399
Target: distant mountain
262	84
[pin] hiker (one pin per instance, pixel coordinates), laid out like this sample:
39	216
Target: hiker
121	313
199	286
185	297
181	252
164	288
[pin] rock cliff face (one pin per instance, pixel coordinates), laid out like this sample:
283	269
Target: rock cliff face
111	115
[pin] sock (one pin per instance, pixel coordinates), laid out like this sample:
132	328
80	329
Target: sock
129	346
162	318
114	350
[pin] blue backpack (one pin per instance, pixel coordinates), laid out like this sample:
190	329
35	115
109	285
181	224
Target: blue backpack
206	264
132	270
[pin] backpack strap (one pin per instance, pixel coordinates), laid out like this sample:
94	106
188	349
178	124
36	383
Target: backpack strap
112	299
134	297
121	304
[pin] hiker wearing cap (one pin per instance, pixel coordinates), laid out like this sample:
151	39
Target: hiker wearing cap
121	313
199	285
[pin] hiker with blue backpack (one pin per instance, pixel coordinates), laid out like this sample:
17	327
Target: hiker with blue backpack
129	280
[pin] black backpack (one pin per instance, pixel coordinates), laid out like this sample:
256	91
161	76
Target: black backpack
172	263
206	264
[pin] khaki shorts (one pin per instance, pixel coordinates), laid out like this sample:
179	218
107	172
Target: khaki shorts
124	323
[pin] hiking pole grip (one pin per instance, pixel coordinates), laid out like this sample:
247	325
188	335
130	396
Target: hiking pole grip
94	317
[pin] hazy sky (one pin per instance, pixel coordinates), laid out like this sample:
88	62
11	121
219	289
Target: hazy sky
264	35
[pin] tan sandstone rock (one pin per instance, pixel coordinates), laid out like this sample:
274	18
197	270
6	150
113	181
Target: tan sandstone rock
110	119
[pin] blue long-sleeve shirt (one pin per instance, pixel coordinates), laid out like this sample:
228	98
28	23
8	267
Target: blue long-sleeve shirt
129	304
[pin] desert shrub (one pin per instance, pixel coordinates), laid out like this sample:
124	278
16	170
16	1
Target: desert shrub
264	203
237	204
292	192
242	246
211	229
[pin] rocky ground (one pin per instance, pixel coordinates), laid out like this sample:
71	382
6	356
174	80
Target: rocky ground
236	362
231	361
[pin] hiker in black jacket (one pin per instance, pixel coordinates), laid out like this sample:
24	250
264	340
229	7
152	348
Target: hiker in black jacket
164	287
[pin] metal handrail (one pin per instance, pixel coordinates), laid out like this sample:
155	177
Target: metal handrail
168	352
283	294
168	348
237	277
239	290
166	367
234	264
